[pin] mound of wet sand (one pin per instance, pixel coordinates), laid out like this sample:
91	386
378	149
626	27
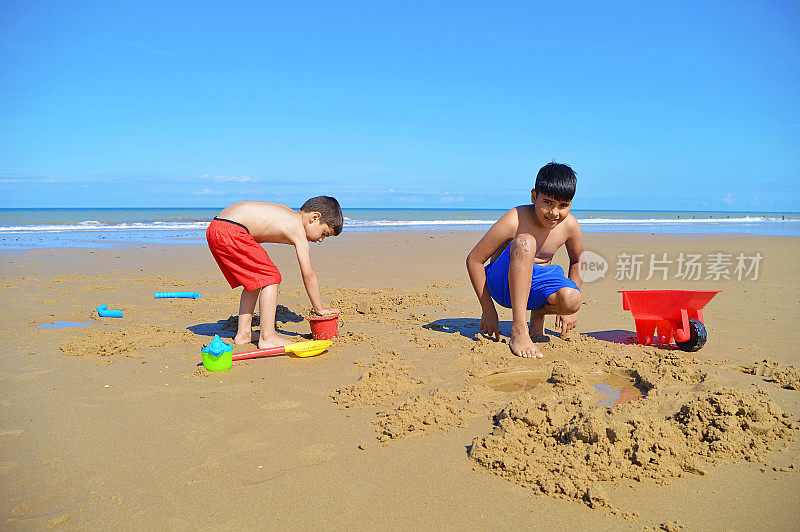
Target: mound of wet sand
788	378
572	362
441	409
564	448
785	376
564	375
385	378
381	302
128	341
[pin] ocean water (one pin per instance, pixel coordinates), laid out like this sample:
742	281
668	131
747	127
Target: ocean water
45	228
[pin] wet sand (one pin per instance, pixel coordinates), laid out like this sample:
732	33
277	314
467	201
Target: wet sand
412	419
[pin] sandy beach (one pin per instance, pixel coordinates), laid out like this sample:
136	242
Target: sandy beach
412	419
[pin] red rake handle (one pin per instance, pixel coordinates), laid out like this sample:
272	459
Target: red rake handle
279	350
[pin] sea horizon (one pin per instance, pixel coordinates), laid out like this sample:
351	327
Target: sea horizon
33	227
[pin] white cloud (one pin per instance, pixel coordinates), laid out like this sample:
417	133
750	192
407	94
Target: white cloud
8	180
452	199
728	198
229	178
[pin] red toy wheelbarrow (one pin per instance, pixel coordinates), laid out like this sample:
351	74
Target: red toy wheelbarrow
673	313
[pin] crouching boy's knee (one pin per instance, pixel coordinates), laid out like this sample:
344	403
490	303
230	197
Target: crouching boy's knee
569	300
523	245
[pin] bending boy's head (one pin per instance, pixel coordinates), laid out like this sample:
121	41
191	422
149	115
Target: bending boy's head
330	213
557	181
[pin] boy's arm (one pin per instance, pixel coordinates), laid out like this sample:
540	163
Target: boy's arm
310	281
574	246
501	232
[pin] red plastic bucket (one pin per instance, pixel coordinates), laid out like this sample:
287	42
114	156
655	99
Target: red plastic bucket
325	327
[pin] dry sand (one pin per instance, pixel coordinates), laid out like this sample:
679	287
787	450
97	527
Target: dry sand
412	419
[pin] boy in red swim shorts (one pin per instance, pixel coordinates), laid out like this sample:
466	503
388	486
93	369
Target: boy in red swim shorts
235	236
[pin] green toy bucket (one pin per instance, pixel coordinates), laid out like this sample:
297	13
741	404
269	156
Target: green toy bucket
218	363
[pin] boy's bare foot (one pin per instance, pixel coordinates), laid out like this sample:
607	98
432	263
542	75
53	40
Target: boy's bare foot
243	339
272	340
536	328
247	338
522	345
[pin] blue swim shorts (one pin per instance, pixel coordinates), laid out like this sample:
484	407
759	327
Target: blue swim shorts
546	280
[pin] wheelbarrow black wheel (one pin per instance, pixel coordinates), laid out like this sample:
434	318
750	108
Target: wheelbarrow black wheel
697	337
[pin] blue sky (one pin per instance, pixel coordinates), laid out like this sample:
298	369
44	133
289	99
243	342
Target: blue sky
674	105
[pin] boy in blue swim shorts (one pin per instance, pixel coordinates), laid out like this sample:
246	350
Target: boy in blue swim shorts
519	248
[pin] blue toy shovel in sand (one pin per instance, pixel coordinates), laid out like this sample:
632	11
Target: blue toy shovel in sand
166	295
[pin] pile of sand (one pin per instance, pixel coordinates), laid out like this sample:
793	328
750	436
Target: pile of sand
564	375
385	379
381	302
128	341
441	409
553	438
652	363
785	376
788	377
564	448
732	423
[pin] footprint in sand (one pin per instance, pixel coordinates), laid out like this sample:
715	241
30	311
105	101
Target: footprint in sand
58	521
280	405
18	509
310	456
29	375
319	453
285	406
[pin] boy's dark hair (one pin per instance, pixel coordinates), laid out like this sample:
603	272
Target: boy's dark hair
329	210
557	181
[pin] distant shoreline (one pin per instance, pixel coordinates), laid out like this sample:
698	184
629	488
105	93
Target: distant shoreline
13	245
67	227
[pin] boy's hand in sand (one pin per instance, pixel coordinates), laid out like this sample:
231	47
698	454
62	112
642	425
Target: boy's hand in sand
325	311
490	324
567	322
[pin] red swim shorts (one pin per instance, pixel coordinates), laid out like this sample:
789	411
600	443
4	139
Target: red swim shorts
242	260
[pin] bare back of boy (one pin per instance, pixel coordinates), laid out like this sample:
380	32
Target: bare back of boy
267	222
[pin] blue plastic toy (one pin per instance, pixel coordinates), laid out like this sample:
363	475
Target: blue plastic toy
217	356
217	347
190	295
104	312
63	325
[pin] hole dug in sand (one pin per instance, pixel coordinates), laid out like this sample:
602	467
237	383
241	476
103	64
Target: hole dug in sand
609	388
517	380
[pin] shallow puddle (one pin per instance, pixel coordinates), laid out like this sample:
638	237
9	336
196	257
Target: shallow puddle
516	381
613	388
63	325
616	396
